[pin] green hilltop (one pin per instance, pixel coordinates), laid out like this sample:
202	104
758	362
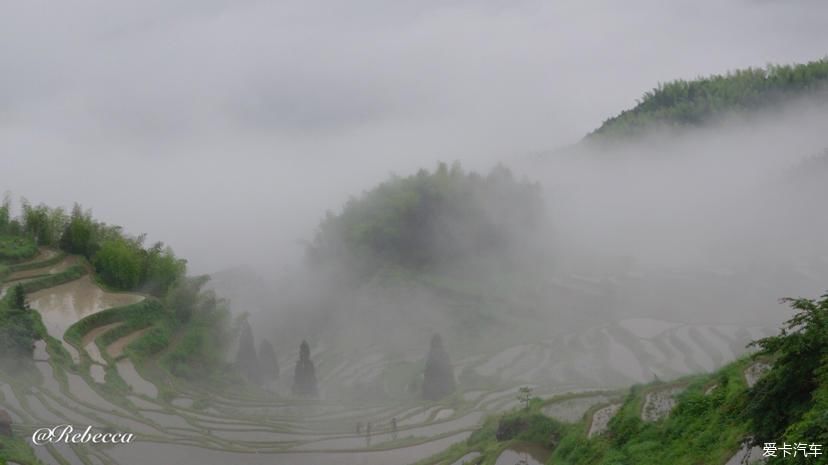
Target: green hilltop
683	103
428	220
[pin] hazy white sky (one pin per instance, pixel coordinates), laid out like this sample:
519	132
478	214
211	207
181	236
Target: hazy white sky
217	125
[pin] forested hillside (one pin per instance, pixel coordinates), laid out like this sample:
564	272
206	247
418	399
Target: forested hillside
421	221
695	102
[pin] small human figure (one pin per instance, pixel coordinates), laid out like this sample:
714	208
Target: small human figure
359	427
368	429
394	424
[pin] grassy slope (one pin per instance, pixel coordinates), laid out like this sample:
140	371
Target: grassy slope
16	248
702	429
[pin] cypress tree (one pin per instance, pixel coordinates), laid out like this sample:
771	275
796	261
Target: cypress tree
438	381
304	376
18	298
268	361
246	358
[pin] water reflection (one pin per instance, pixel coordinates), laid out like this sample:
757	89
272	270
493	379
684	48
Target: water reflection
523	454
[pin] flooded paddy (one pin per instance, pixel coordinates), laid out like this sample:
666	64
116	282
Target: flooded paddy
466	459
138	384
282	430
47	376
84	393
64	305
40	353
61	266
141	453
88	341
98	373
382	433
523	454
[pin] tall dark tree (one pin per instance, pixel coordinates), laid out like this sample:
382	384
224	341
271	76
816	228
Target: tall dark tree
17	331
246	358
18	298
268	361
79	234
304	376
438	381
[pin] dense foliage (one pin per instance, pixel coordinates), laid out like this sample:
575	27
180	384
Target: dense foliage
247	360
683	103
438	377
14	248
201	325
121	261
186	328
429	218
18	329
790	403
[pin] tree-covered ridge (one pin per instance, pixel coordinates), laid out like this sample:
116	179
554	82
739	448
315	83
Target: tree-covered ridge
120	260
429	218
690	103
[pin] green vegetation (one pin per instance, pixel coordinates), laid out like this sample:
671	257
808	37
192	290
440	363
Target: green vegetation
431	218
692	103
701	429
121	262
187	329
31	265
202	323
16	450
16	248
136	316
19	327
500	432
790	403
43	224
714	417
72	273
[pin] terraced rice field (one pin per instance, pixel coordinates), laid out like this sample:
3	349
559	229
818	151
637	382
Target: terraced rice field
266	428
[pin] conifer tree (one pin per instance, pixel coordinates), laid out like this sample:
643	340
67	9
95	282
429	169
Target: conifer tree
268	361
304	376
246	358
438	381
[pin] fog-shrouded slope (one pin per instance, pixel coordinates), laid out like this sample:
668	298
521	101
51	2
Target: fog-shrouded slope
699	101
576	281
759	409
